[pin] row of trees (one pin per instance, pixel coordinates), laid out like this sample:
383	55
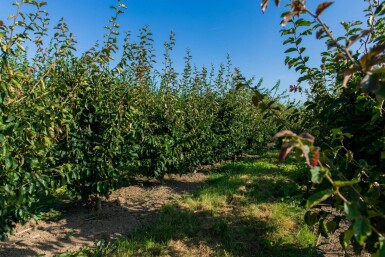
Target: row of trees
87	123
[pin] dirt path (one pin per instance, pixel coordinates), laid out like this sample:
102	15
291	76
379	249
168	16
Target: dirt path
125	210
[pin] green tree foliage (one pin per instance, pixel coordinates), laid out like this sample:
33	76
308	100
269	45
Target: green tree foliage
88	121
344	109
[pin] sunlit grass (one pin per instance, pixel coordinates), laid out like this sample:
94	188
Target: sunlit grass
246	208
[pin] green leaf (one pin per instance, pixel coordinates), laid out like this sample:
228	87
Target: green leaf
380	92
20	46
34	163
318	197
362	230
317	175
352	210
331	226
99	186
381	248
322	229
289	40
311	218
380	10
345	183
292	49
47	141
336	131
302	22
8	162
345	238
303	78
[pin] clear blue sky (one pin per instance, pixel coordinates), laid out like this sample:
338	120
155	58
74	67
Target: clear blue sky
209	28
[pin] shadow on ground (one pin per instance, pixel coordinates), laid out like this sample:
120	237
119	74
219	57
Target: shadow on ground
149	219
79	225
181	232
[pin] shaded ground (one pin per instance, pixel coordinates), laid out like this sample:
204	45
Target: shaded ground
124	211
331	247
247	208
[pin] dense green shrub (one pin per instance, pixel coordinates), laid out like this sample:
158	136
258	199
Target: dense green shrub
88	122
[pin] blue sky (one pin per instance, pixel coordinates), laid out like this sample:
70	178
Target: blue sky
209	28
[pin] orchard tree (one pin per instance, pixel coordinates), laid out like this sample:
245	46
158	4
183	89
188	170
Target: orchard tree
344	111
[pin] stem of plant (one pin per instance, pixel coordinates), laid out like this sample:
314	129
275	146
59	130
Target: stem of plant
330	35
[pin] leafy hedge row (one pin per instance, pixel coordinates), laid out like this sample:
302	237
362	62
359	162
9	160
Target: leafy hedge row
87	122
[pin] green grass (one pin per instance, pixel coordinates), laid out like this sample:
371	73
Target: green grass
247	208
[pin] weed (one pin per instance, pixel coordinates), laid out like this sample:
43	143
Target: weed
50	215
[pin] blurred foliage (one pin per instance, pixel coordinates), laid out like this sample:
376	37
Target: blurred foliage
344	110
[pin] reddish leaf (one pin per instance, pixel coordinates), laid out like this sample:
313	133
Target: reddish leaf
288	17
305	151
347	75
354	38
285	133
331	44
255	100
239	86
314	157
339	56
297	6
370	82
308	137
321	7
319	33
372	58
346	80
285	150
264	5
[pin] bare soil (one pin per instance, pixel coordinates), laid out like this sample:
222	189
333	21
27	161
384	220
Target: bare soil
331	247
125	210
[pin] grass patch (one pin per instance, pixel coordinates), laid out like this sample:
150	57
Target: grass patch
247	208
